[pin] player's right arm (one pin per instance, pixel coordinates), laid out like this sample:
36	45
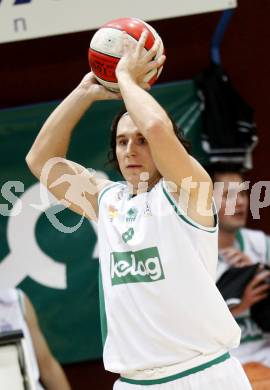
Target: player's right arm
47	156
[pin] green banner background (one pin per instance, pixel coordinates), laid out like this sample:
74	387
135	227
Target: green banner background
70	317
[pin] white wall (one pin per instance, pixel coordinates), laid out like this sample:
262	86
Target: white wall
39	18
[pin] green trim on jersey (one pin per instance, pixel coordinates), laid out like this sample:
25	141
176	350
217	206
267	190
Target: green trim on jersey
240	240
180	375
103	318
21	301
102	192
185	217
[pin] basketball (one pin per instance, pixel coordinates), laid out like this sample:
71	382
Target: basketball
106	48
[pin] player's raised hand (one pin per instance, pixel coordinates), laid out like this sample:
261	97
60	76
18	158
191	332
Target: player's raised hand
136	62
96	91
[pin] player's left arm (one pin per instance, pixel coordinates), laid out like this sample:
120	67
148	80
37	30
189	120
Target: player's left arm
170	157
51	374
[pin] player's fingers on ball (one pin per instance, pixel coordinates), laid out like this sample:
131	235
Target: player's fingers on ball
141	42
151	65
146	86
161	60
153	51
125	45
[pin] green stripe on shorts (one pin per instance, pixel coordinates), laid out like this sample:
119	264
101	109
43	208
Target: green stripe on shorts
182	374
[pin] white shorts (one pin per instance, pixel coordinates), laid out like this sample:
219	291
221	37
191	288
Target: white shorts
228	375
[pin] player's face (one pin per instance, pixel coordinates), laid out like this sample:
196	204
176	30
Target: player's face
234	204
133	154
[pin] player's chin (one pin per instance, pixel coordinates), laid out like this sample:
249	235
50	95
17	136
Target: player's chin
239	222
241	218
133	178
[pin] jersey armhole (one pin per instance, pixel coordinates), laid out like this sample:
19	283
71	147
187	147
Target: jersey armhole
107	188
182	215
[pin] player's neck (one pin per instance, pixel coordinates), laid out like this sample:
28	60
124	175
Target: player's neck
226	239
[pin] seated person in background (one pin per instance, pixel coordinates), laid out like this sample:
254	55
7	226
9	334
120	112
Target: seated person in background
239	247
17	312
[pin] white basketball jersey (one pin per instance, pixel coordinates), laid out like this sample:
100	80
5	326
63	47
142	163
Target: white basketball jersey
255	344
160	303
12	318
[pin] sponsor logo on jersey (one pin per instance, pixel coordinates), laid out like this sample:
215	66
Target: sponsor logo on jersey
147	212
134	267
113	212
120	194
131	214
127	236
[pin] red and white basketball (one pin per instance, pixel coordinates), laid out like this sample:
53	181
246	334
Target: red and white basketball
106	49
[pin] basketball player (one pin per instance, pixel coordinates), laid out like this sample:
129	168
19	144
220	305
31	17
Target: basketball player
164	323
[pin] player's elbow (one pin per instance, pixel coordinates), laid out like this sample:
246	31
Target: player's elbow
33	165
158	127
